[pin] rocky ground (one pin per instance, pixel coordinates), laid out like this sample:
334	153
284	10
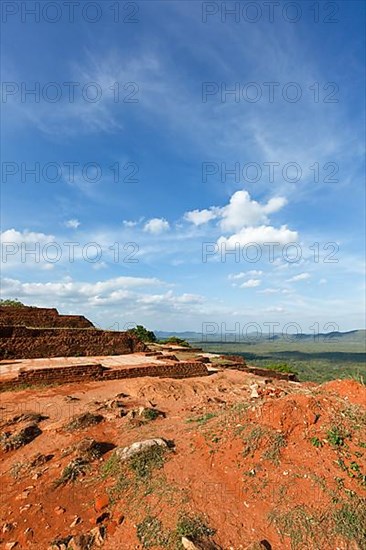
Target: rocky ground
230	461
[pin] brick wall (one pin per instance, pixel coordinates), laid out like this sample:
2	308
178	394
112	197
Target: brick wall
40	317
20	342
267	373
85	373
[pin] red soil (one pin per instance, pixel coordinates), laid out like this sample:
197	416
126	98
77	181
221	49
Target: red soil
236	477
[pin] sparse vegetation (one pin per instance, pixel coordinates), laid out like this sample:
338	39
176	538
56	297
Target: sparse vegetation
193	527
252	441
149	532
277	442
316	442
150	414
143	463
10	442
84	420
350	520
336	436
302	526
111	467
73	470
202	420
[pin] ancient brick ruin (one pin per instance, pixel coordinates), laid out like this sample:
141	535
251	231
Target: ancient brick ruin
41	317
30	332
97	372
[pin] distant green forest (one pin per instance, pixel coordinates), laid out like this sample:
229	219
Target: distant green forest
313	360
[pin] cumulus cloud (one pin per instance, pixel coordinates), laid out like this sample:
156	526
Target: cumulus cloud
300	277
72	224
28	248
251	283
200	217
117	299
259	235
241	211
244	274
155	226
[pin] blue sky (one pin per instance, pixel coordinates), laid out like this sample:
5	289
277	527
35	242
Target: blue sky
172	131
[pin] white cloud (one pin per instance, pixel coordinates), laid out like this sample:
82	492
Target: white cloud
251	283
259	235
243	212
72	224
269	291
300	277
199	217
27	248
19	237
120	300
244	274
131	223
155	226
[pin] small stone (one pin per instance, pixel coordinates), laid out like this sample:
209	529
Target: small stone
22	496
8	527
102	517
24	508
80	542
121	519
125	453
98	534
59	510
76	521
101	502
11	545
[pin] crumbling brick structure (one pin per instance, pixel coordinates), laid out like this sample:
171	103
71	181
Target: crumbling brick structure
41	317
30	332
97	372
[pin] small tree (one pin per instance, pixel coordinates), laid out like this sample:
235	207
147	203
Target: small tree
143	334
12	303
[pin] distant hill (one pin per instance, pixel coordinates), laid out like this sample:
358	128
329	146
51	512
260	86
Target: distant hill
349	337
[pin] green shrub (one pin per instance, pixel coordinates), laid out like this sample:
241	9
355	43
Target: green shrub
143	334
12	303
175	341
280	367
